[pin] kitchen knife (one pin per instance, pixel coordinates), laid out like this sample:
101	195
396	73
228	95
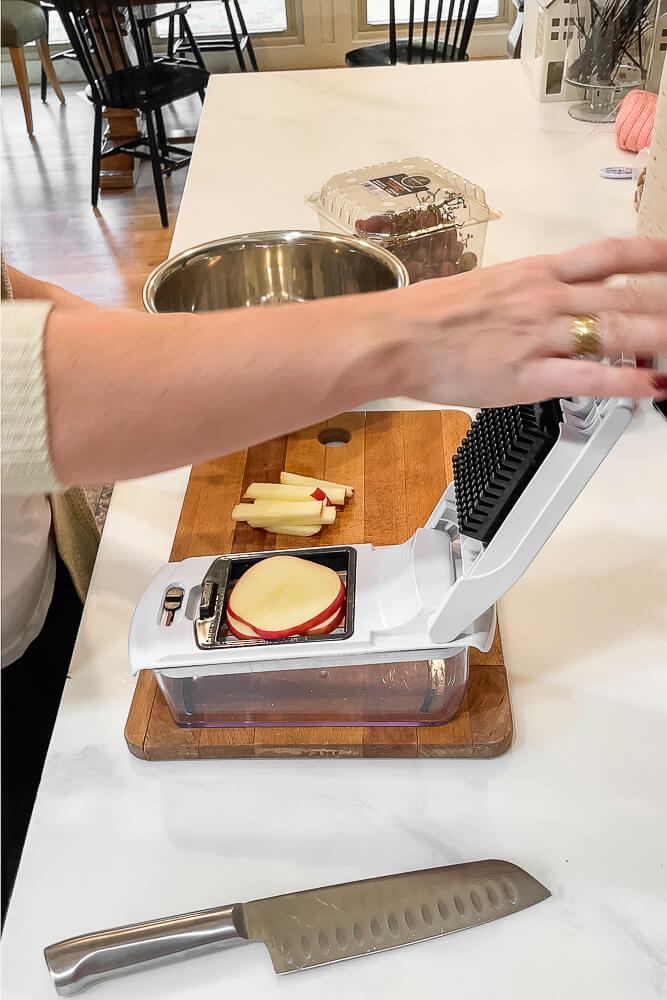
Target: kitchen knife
314	927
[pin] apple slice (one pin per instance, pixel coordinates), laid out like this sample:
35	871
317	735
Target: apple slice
297	629
286	595
292	479
330	624
306	626
278	528
240	630
289	512
279	491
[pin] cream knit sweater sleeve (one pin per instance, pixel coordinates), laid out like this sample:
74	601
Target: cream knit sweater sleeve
26	462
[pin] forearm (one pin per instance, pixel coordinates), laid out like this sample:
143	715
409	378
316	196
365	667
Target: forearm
26	287
130	394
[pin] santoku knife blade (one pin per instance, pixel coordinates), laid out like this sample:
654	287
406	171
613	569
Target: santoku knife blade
314	927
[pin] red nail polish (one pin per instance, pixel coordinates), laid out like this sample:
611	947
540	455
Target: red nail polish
644	360
659	381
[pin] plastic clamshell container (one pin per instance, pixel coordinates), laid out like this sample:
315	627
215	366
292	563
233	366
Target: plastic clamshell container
432	219
420	693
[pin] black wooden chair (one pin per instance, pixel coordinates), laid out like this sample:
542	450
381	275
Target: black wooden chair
145	22
435	39
117	60
239	40
178	28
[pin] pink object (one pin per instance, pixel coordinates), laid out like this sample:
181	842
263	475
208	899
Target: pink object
634	123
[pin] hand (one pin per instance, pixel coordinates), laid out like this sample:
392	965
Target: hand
501	335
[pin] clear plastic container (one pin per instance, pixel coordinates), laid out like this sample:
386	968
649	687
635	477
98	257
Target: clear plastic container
433	220
421	693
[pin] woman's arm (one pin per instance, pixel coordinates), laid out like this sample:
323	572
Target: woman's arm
130	394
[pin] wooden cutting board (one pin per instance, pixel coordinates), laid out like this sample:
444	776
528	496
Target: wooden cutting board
399	464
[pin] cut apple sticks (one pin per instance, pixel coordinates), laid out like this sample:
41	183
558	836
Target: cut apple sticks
297	505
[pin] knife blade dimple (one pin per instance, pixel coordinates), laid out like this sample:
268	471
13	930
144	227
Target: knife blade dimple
305	929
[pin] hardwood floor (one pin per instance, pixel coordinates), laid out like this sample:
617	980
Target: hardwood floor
49	228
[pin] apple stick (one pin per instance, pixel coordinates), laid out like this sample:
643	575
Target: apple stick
293	512
260	519
279	491
292	479
278	528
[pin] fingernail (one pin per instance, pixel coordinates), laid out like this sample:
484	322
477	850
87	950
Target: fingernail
659	381
644	361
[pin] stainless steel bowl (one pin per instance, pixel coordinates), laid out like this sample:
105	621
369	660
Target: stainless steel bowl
270	269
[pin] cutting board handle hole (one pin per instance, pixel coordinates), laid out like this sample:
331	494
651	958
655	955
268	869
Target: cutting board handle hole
334	437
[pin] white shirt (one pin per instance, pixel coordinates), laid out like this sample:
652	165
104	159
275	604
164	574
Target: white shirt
28	571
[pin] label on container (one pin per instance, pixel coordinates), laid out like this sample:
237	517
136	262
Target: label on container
397	185
617	173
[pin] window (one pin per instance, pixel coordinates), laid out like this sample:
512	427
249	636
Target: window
377	11
57	34
263	17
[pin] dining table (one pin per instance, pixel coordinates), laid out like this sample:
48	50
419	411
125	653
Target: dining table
580	798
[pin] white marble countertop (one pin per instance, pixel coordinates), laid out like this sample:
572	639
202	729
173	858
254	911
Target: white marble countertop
580	801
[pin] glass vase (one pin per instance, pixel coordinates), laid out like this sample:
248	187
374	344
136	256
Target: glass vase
608	53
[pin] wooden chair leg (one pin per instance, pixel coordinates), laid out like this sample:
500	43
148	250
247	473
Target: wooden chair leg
235	37
21	72
49	69
246	34
156	163
43	80
97	156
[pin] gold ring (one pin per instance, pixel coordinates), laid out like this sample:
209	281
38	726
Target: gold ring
586	338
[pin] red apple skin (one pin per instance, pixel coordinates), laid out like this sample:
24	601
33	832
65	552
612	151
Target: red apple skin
238	630
321	495
297	629
326	629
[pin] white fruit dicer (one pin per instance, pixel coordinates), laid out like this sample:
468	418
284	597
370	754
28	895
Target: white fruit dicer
517	472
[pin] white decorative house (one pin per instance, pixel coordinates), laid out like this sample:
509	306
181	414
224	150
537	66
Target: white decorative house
659	50
547	28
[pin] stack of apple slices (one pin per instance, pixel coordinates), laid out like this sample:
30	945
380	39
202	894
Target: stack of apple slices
297	505
283	596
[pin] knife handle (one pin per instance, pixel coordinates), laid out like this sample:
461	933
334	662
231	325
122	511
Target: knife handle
79	962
